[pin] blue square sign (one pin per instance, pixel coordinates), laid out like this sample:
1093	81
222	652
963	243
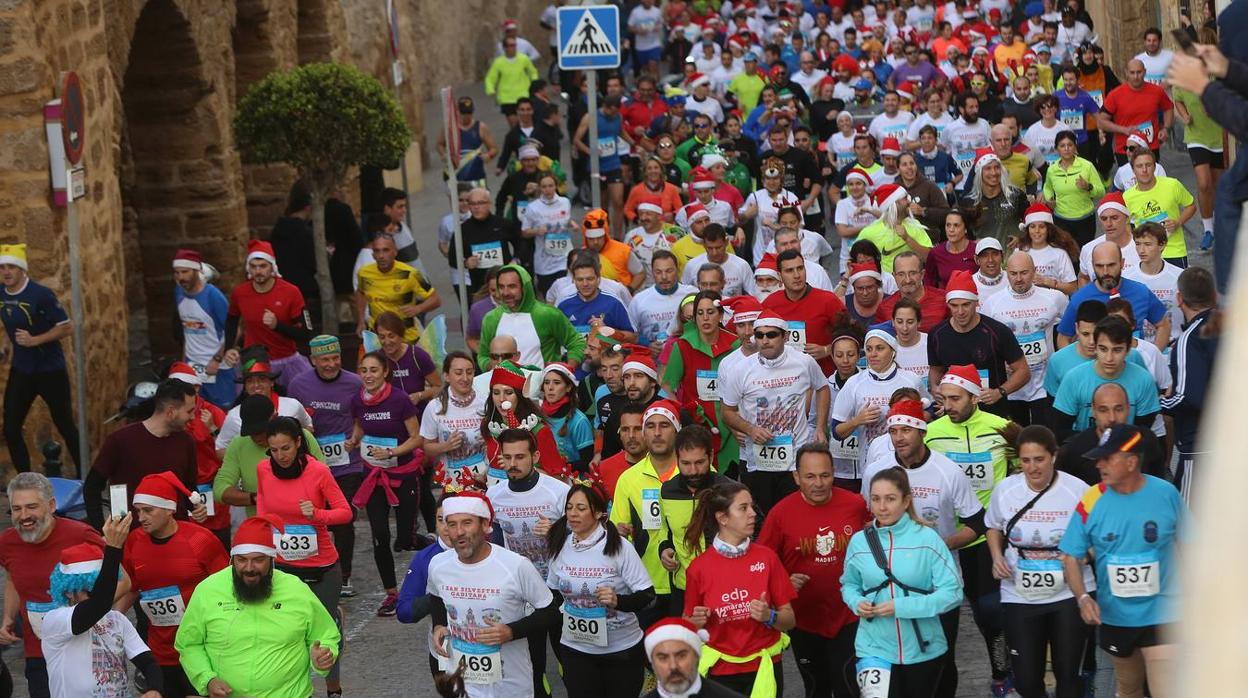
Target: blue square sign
589	37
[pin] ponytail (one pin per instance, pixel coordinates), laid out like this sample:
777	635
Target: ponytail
711	501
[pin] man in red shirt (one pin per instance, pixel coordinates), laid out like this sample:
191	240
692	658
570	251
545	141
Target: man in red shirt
271	313
908	271
28	552
632	444
810	312
203	428
165	560
1134	106
809	530
643	108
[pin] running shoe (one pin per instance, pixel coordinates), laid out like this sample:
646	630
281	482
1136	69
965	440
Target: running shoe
1206	242
388	605
347	591
1003	688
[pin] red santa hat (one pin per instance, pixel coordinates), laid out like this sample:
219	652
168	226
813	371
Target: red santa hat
702	178
767	267
983	156
474	503
188	259
1036	213
769	318
965	376
256	535
83	558
860	175
1113	201
160	490
508	374
744	308
641	361
561	368
1137	138
695	211
864	270
889	194
259	249
699	79
677	629
510	24
182	371
961	286
890	146
907	413
663	408
650	207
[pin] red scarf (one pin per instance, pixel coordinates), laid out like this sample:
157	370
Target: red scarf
377	399
552	408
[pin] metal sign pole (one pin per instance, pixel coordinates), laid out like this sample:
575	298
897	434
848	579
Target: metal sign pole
453	182
77	318
595	182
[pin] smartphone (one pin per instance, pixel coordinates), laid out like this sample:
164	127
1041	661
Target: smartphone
1183	39
117	501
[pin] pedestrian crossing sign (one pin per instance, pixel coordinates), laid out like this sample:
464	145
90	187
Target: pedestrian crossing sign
589	37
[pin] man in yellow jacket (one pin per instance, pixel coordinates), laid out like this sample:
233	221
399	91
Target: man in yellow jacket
508	79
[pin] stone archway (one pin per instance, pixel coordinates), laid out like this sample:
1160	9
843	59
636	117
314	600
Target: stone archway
179	179
315	40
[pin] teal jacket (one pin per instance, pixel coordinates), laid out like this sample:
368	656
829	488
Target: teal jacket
919	559
532	320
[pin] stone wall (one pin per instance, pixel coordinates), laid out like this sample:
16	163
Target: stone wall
160	81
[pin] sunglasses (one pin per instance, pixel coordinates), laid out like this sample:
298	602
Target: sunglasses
767	335
502	357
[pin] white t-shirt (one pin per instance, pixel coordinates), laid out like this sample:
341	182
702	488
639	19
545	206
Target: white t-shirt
774	394
814	246
885	126
436	426
738	276
942	493
653	313
1053	262
1041	527
517	513
940	123
564	288
578	574
765	220
1130	258
881	447
500	588
1043	139
646	24
961	140
987	288
914	360
847	453
644	245
870	389
552	246
709	106
808	82
93	663
841	147
921	18
1165	285
1155	67
286	407
1124	177
1158	365
856	213
720	211
1031	316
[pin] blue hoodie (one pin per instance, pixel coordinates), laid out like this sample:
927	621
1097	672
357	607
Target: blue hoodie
920	559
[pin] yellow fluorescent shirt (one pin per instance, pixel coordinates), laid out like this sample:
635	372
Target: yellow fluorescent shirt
389	291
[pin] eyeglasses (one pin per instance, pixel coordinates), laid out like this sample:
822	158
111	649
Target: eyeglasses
701	126
767	335
503	357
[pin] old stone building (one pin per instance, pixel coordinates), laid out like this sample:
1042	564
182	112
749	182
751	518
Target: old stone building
161	79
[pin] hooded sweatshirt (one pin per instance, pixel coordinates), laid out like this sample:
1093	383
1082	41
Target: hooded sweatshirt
542	333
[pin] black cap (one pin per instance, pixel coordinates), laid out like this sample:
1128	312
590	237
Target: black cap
1119	438
255	412
465	105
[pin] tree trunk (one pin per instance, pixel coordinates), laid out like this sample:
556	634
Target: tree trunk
329	314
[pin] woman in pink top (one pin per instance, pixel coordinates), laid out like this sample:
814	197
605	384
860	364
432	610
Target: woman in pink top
302	491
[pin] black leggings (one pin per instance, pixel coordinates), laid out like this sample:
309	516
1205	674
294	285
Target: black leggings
916	680
615	675
1081	229
1055	629
826	663
344	534
428	505
744	683
1028	412
537	656
378	510
947	687
983	591
19	396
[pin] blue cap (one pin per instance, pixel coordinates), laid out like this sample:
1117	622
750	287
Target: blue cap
1034	9
862	84
751	56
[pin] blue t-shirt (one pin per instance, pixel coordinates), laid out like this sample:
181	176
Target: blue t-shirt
1144	304
1075	110
579	434
1064	360
35	309
940	168
580	311
1132	535
1074	397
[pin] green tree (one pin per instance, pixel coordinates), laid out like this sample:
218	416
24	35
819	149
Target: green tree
322	119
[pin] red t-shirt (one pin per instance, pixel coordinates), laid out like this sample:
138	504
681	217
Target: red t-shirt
730	195
610	470
1138	109
726	586
932	306
182	560
286	302
206	462
818	309
811	540
30	565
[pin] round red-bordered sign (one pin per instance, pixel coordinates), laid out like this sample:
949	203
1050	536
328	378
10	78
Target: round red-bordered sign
73	117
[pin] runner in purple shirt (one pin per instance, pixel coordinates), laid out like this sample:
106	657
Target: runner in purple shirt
916	69
411	368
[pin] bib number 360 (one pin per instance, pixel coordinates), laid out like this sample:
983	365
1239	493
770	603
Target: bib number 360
585	625
874	676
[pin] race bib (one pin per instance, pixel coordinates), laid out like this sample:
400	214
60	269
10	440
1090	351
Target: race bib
1073	119
606	147
585	625
1035	347
708	385
844	158
298	542
35	611
557	244
849	449
874	676
210	502
1146	128
334	446
373	449
651	510
977	467
474	462
965	160
489	254
775	456
983	378
201	371
1097	96
1036	580
164	606
495	476
796	337
1132	576
481	664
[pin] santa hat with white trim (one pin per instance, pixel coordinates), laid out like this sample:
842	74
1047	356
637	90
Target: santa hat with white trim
890	146
255	535
161	490
663	408
259	249
889	194
744	308
860	175
769	318
961	286
188	259
984	156
639	359
182	371
474	503
83	558
14	254
695	211
767	267
701	178
698	80
907	413
1137	139
650	207
964	376
1036	213
1113	201
677	629
864	270
561	368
